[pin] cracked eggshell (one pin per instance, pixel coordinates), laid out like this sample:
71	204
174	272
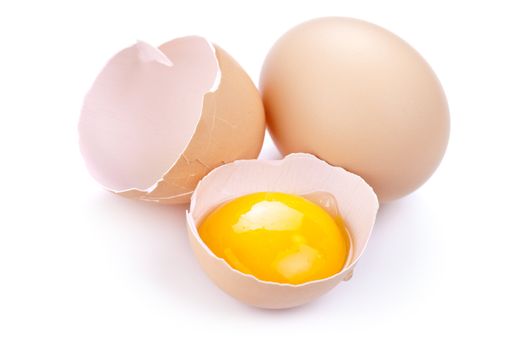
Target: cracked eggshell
297	173
156	120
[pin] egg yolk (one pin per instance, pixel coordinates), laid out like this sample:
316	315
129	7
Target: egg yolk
277	237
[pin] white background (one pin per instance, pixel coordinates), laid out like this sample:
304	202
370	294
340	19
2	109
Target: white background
83	269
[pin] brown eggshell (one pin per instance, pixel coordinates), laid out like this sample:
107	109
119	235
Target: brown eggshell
231	127
296	174
231	124
359	97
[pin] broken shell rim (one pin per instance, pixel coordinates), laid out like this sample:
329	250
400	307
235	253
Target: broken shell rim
192	227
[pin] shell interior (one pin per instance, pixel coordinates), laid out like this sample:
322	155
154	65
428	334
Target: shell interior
143	109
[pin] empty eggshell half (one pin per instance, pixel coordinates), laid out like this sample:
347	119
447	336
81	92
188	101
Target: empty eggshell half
156	120
297	173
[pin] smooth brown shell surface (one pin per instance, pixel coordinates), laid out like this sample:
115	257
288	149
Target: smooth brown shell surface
359	97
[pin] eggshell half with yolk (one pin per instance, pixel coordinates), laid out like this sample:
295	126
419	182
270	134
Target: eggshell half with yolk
297	173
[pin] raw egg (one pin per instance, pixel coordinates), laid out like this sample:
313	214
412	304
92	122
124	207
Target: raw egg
156	120
359	97
265	231
277	237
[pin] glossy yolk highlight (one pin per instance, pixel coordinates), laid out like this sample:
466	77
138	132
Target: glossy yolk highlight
277	237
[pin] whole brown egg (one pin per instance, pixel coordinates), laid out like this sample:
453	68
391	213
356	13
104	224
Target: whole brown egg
359	97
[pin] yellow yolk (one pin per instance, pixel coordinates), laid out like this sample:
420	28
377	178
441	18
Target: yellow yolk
277	237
